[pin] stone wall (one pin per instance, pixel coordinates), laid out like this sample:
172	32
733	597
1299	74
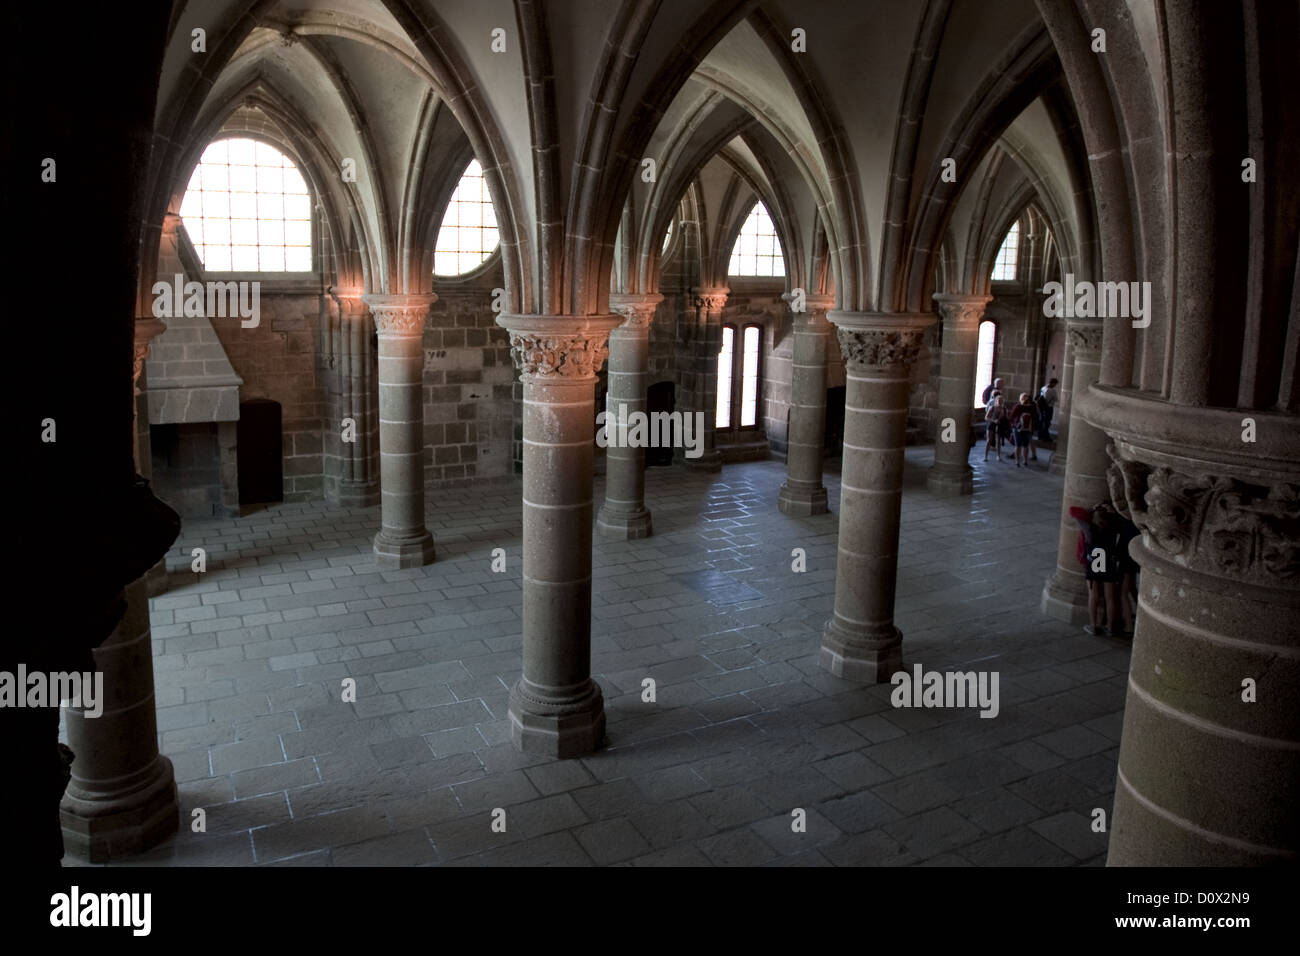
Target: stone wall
278	359
469	385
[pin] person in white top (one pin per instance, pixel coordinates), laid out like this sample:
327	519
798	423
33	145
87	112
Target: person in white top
1047	399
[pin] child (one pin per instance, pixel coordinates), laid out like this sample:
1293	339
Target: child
1024	419
996	418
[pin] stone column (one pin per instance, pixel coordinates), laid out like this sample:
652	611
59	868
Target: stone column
122	797
402	541
555	707
146	330
1209	760
803	492
860	641
358	485
708	305
1065	595
624	515
951	473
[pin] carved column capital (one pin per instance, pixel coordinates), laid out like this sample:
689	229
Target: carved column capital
400	315
961	310
638	310
352	305
812	317
711	301
1215	524
1207	498
559	349
146	330
879	340
1084	338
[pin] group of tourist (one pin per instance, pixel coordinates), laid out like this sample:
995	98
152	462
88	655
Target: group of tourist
1022	425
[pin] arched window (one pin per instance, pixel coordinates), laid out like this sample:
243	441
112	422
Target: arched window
984	359
468	235
757	251
248	209
1004	266
738	375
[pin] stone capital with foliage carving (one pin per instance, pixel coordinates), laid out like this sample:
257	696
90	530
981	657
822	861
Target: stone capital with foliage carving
712	301
1216	524
962	310
571	355
400	315
1084	336
875	348
638	311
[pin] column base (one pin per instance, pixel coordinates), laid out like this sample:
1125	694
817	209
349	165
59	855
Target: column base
392	554
710	462
1065	598
557	727
859	657
621	526
949	482
358	494
802	501
104	827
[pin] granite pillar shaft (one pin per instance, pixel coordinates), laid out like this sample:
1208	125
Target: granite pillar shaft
402	541
803	492
860	641
1065	595
555	707
951	473
624	514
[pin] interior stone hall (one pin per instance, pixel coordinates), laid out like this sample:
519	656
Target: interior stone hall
656	432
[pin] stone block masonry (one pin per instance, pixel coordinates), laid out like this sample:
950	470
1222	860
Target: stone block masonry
469	407
278	360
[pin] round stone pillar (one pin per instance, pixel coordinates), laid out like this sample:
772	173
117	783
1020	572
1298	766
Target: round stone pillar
803	492
555	707
860	641
1209	760
402	541
709	304
951	473
122	797
624	515
146	330
1065	595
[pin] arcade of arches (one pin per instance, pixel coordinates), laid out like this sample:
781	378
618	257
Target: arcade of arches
409	585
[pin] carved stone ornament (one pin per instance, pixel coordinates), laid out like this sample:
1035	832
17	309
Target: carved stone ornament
1086	338
401	320
572	355
1211	523
711	302
637	312
879	349
961	313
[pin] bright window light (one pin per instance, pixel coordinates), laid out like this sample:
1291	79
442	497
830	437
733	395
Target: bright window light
247	209
1004	266
468	235
757	251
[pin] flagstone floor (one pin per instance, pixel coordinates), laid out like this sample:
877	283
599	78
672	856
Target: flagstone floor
745	727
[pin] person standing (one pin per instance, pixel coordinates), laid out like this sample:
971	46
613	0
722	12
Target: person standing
1023	419
1048	397
995	419
989	390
